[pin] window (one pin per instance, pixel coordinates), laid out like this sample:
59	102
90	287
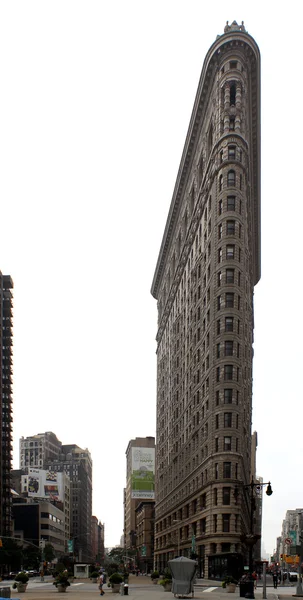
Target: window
219	255
218	327
229	323
228	372
218	350
225	546
230	225
221	156
230	275
203	526
216	444
226	470
228	419
226	495
229	299
232	152
226	522
215	523
229	348
232	123
231	178
218	374
219	276
216	471
220	183
231	202
233	64
217	421
228	396
227	443
230	251
215	496
220	231
218	302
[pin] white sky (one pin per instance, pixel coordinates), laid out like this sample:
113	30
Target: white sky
95	102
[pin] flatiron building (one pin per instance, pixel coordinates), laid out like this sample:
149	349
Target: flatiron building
208	265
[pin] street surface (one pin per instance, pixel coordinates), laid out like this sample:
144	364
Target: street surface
140	588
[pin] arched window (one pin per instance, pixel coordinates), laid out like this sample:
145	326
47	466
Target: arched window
220	183
231	178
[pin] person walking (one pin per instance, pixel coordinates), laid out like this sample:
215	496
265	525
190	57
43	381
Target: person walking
275	579
101	581
255	578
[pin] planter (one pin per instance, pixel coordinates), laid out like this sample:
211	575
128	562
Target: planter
21	587
115	587
94	579
155	581
61	587
230	588
167	587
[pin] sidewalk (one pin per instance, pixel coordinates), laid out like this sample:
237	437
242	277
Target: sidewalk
140	588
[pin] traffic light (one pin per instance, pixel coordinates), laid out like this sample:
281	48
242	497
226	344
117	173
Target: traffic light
1	543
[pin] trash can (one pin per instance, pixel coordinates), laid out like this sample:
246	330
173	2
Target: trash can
246	589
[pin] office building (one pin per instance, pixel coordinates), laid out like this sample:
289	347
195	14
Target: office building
6	349
145	526
77	463
208	265
35	521
38	449
140	483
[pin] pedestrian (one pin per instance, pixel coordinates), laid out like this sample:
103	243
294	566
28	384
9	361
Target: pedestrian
275	579
255	578
101	581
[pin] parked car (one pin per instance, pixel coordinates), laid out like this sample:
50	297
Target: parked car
293	576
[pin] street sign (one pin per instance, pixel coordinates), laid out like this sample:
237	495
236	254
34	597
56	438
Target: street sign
288	540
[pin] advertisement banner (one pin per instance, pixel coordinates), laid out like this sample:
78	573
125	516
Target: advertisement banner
293	537
143	473
43	484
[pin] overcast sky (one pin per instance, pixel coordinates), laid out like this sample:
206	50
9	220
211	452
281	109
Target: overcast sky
95	104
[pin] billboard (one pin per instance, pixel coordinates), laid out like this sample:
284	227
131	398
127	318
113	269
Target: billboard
43	484
143	473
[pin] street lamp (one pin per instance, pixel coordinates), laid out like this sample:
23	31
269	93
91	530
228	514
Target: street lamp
251	538
177	521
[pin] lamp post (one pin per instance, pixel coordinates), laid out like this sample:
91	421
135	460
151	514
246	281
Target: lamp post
177	521
251	538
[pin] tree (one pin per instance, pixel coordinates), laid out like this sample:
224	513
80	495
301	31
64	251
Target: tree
49	552
31	557
10	555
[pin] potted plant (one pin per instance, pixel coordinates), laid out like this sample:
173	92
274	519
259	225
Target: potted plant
61	582
20	582
115	582
155	577
166	580
94	576
229	583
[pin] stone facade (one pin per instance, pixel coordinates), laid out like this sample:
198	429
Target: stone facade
208	264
